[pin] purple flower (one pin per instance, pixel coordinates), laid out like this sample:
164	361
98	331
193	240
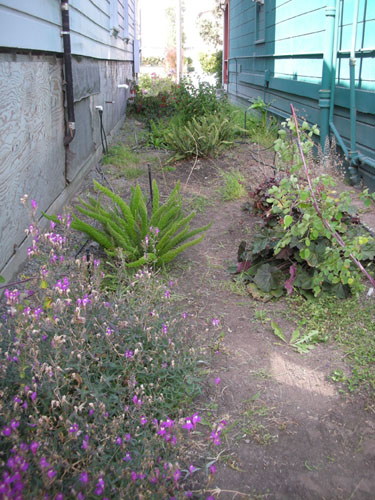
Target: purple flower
177	475
217	380
192	469
215	436
84	478
215	321
127	457
33	396
144	420
184	315
165	328
51	473
85	442
33	447
128	354
128	437
43	463
189	494
34	204
212	469
108	331
81	496
74	428
137	401
7	431
99	489
119	441
188	424
167	294
59	496
195	419
134	476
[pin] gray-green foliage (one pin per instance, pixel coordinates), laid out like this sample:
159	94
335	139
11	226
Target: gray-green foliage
142	239
202	136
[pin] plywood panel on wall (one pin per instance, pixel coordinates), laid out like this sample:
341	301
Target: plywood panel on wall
32	156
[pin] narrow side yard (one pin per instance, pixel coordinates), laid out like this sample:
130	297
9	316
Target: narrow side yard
180	382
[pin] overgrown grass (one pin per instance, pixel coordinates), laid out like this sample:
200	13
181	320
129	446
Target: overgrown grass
233	185
351	324
200	203
257	130
121	156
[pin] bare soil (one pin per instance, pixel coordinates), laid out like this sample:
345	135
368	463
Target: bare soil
292	434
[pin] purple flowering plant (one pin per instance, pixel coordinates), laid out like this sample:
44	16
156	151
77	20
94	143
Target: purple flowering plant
87	413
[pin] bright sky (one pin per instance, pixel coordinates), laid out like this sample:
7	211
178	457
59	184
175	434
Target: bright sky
154	28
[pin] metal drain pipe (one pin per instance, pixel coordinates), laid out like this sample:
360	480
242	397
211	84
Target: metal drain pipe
70	132
353	153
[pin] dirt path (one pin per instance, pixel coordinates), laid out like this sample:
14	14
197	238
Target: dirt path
293	435
290	433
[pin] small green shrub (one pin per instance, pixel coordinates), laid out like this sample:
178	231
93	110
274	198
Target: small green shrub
142	240
203	136
195	101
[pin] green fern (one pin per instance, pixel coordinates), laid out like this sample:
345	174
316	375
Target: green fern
143	240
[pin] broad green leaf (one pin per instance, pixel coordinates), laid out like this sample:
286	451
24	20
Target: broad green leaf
277	331
288	219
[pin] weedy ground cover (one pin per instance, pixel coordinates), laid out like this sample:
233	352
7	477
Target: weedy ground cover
233	185
350	324
96	387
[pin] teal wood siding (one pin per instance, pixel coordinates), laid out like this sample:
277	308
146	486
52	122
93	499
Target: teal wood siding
36	25
287	67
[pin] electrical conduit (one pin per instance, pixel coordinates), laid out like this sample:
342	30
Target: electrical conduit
68	72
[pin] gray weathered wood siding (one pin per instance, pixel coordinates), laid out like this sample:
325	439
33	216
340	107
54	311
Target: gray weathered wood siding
287	65
32	156
33	159
36	25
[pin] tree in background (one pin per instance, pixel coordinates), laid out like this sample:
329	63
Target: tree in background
211	30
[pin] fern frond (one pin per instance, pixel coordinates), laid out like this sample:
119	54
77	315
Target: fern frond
123	206
142	261
169	256
96	235
183	236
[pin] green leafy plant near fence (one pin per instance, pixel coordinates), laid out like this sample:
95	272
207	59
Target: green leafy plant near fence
311	239
127	228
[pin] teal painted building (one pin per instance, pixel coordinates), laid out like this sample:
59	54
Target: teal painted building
43	151
318	55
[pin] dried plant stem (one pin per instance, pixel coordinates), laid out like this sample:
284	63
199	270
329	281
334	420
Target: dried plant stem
19	282
327	225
